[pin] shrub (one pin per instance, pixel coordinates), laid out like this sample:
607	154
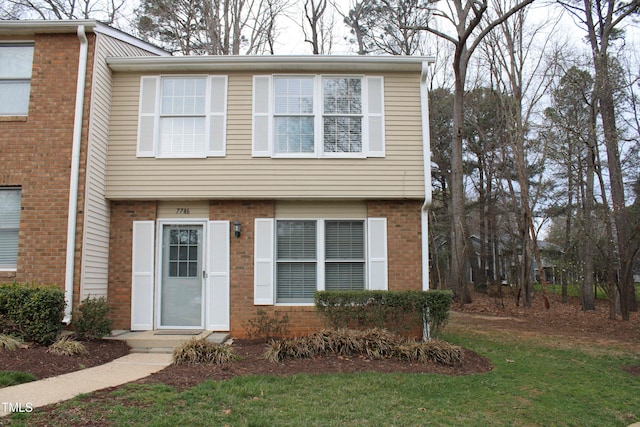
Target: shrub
93	322
33	313
7	342
67	346
392	310
267	326
203	351
372	343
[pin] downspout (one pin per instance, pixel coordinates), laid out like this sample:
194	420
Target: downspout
75	176
426	155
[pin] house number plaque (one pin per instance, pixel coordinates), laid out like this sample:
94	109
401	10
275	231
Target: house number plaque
183	211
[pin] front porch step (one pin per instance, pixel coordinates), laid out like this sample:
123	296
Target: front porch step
149	342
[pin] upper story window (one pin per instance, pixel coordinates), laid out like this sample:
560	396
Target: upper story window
16	60
182	116
10	202
318	116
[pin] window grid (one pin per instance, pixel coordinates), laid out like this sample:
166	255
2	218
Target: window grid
183	253
342	114
182	116
294	115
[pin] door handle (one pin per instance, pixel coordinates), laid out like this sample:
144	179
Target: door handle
204	274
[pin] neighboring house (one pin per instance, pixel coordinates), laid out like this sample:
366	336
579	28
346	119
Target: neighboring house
55	90
204	189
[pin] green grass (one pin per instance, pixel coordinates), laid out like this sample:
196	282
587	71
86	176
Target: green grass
533	383
574	291
9	378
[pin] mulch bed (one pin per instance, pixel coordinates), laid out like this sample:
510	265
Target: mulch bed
252	363
36	360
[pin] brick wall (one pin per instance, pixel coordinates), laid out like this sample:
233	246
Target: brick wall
404	241
36	156
404	251
120	244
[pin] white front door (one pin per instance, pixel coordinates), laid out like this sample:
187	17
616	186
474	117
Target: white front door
181	296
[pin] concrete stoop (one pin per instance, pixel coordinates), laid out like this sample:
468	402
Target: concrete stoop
163	341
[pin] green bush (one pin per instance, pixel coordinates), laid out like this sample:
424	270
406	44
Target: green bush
33	313
392	310
93	322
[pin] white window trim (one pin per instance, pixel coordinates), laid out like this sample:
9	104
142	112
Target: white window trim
208	115
320	255
5	267
318	114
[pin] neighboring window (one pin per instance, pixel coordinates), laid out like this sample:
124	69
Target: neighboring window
10	202
342	114
16	60
311	116
182	116
309	250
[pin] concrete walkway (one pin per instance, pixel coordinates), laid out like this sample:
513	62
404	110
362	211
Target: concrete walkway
57	389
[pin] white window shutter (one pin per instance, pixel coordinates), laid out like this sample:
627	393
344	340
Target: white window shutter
142	283
375	117
148	117
377	254
263	261
217	117
261	145
217	289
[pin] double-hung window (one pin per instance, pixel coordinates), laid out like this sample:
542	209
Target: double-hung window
10	202
16	60
318	255
318	116
182	116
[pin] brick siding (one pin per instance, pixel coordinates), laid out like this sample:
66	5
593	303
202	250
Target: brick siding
404	251
36	156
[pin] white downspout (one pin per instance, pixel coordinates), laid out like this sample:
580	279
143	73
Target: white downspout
426	155
74	175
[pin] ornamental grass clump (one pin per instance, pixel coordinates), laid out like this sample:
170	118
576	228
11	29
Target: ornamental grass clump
371	343
7	342
437	351
67	346
202	351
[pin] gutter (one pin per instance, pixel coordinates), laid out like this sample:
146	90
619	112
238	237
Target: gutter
426	155
75	175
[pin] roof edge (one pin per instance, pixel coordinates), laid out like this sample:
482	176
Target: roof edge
339	63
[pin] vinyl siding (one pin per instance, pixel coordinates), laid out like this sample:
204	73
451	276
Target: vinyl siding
95	237
239	176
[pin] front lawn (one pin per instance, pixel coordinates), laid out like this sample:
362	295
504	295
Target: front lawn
9	378
534	383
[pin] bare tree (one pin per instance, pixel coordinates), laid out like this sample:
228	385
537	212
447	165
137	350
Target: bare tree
317	26
601	21
214	27
107	11
469	28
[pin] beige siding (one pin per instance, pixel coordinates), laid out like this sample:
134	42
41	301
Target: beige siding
319	209
95	245
239	176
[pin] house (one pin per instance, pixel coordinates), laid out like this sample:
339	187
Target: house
227	185
54	113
